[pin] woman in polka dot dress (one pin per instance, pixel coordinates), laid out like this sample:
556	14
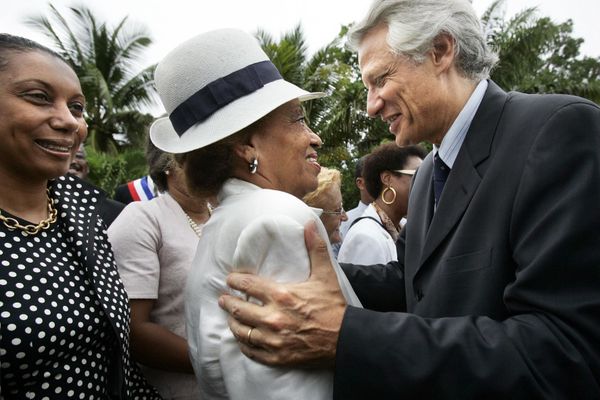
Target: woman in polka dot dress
64	318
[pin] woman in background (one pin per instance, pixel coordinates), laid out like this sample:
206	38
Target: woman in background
154	260
64	317
328	198
387	172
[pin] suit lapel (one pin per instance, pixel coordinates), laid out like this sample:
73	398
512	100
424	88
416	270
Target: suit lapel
465	176
420	206
458	191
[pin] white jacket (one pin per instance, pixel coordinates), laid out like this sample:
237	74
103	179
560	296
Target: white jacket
259	231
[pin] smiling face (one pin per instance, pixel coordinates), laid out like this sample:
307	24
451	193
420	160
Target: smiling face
409	97
285	148
41	115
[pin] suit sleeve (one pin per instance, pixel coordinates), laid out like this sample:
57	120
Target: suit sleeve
547	347
379	287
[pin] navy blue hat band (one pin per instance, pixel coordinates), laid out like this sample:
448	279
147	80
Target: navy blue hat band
221	92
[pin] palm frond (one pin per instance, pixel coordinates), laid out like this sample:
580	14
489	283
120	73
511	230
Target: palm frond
105	60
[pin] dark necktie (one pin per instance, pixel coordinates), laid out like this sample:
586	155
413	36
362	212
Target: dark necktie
440	174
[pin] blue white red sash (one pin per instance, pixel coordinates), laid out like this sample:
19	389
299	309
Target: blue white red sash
142	189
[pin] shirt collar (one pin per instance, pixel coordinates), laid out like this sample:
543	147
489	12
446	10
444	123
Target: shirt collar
454	138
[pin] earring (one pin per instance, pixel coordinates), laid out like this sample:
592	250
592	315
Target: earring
253	165
385	191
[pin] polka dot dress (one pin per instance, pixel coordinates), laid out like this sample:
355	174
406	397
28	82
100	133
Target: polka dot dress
64	316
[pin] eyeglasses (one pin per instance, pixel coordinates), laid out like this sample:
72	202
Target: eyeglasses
339	211
409	172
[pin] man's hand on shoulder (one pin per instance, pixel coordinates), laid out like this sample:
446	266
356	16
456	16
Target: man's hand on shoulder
297	324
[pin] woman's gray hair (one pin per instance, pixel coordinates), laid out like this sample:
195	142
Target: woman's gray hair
414	26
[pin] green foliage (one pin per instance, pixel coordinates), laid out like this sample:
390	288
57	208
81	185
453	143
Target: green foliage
107	171
536	56
540	56
105	59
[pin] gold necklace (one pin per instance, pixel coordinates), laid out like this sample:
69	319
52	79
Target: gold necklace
195	227
12	223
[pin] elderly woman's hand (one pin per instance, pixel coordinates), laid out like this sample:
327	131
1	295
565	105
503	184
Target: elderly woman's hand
298	324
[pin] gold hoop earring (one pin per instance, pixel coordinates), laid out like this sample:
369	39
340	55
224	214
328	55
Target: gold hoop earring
385	191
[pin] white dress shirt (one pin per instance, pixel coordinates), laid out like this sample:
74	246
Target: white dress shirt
454	138
352	215
367	242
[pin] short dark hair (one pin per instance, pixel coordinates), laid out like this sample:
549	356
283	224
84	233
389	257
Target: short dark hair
387	157
20	44
358	168
158	164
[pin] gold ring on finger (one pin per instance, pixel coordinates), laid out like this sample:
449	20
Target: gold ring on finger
249	336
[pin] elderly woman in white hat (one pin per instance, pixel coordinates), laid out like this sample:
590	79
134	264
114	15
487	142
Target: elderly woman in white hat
238	130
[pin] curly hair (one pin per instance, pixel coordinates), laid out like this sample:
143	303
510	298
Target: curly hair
327	178
387	157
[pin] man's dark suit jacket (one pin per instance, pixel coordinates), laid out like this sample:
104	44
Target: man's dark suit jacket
501	285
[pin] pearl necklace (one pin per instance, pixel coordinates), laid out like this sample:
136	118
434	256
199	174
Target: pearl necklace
195	227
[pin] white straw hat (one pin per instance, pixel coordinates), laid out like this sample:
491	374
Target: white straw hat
214	85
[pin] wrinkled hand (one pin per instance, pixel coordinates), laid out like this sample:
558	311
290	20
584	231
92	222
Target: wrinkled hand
298	324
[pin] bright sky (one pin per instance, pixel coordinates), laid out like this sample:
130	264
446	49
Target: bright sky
173	21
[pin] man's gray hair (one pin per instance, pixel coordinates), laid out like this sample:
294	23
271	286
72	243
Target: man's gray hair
414	26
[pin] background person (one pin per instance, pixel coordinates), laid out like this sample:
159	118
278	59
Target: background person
387	175
256	151
365	197
64	317
154	260
79	166
497	289
328	197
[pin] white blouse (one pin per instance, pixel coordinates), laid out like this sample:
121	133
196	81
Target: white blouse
259	231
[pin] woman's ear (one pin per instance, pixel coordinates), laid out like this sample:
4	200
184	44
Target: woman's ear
386	177
245	151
